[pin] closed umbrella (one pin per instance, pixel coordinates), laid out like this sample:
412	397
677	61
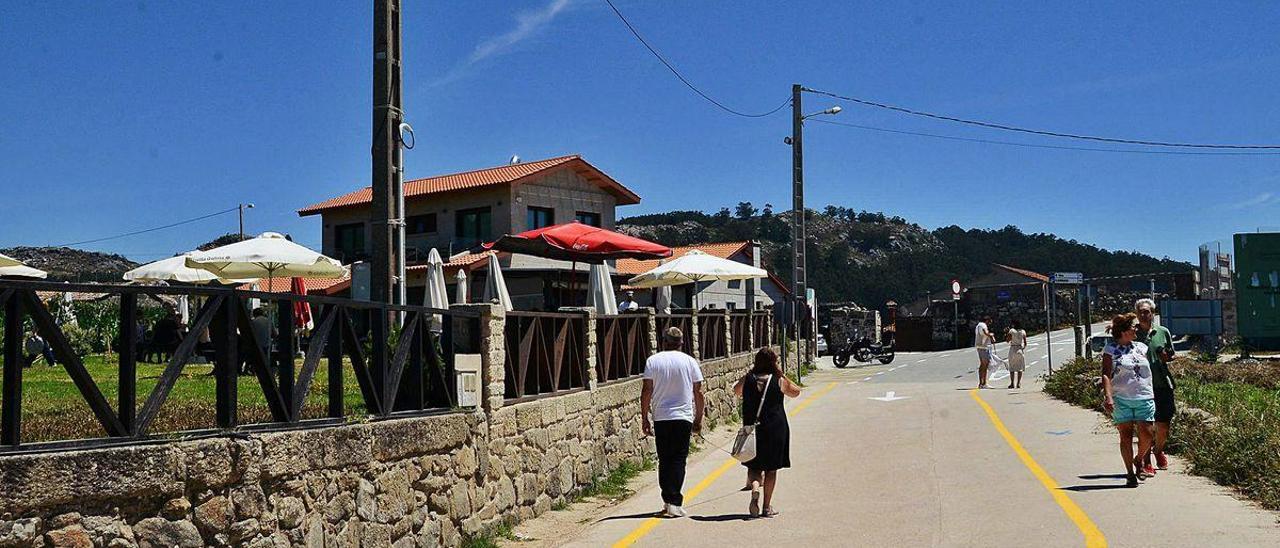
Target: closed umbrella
175	269
460	292
22	271
301	309
9	261
495	287
600	290
662	299
436	296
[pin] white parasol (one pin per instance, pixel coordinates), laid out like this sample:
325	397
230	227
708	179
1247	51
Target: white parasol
460	292
495	287
267	256
22	271
436	296
6	260
175	269
600	290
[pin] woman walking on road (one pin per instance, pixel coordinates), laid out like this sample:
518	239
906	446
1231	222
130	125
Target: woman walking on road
1017	338
763	389
1128	395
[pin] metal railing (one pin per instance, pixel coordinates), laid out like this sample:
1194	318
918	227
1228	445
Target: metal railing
413	375
546	353
622	346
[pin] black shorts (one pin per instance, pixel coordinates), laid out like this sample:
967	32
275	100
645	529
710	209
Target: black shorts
1165	408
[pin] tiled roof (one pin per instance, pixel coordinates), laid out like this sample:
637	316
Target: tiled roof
1022	272
724	250
320	286
500	175
464	259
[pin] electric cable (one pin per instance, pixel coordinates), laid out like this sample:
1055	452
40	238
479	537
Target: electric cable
153	229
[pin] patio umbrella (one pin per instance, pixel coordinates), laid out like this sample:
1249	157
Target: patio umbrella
22	271
436	296
175	269
695	267
5	260
460	292
579	242
267	256
600	292
495	287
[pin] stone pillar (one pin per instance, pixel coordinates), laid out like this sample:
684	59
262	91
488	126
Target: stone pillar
493	353
751	329
692	335
591	355
652	326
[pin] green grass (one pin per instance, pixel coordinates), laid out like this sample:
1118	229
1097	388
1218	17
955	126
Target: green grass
489	538
53	409
1238	447
612	485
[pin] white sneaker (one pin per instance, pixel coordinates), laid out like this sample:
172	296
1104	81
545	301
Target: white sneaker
677	511
666	511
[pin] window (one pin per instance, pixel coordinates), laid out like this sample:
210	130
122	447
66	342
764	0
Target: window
473	226
588	218
421	224
735	284
539	217
348	241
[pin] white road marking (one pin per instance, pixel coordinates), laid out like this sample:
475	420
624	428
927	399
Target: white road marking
867	379
890	396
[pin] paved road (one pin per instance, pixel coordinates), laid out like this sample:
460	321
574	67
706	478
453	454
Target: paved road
945	466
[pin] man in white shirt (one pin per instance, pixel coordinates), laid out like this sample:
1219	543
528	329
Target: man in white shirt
981	338
672	394
629	304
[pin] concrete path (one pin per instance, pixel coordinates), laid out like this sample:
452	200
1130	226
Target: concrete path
939	465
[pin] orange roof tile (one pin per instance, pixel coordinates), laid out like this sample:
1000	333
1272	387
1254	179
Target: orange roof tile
500	175
321	286
723	250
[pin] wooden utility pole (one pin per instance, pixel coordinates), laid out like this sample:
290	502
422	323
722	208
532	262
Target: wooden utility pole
387	115
799	285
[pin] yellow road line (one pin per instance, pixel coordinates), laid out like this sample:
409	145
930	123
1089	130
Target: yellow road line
1093	537
711	478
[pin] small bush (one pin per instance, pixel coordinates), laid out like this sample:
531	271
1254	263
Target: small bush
1077	382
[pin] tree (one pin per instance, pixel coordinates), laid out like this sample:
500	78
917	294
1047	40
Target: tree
745	211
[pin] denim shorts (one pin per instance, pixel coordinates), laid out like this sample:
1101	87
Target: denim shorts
1127	410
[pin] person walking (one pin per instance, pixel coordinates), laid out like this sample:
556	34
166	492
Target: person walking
1127	393
1159	353
1017	338
981	338
762	391
672	396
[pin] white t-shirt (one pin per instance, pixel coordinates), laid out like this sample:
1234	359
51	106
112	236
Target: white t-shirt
981	335
673	373
1130	371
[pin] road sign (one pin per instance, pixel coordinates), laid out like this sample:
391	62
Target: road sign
955	290
1069	278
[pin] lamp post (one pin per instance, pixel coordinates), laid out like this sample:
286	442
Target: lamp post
799	278
243	207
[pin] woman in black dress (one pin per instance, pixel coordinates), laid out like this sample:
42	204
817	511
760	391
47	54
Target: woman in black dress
773	436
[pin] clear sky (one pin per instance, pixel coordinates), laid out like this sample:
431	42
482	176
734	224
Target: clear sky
120	116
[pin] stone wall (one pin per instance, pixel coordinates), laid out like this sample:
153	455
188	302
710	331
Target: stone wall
421	481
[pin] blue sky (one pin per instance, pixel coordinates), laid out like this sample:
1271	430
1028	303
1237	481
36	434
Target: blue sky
120	116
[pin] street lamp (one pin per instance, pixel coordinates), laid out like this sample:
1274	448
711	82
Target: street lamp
243	207
799	278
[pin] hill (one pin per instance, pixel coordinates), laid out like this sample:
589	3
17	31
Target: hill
869	258
73	265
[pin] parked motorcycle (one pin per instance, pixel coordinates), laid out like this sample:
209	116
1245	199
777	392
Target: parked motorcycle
864	350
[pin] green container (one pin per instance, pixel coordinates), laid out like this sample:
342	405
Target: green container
1257	286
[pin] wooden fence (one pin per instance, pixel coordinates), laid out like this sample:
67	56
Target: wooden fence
546	353
712	339
622	346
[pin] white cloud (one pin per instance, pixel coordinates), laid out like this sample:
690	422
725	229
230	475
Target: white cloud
528	24
1262	199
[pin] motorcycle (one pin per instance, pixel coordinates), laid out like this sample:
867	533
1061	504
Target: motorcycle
864	350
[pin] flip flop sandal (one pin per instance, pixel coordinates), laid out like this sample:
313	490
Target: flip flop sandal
754	509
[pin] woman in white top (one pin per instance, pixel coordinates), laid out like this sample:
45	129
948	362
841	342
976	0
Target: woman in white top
1017	338
1128	394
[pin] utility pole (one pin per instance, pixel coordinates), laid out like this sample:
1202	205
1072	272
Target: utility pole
242	208
387	115
799	285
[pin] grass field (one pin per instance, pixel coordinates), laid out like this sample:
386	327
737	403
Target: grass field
53	409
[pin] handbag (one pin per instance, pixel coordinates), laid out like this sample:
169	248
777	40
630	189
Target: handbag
744	446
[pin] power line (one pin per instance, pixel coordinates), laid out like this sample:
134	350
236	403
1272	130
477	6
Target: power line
992	125
153	229
1033	145
684	80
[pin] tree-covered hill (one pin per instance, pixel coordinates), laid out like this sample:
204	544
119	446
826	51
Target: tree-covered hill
869	257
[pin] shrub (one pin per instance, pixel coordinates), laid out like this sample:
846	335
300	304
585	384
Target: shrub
81	340
1077	382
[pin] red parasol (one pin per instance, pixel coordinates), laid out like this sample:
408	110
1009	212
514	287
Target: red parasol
301	309
575	241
